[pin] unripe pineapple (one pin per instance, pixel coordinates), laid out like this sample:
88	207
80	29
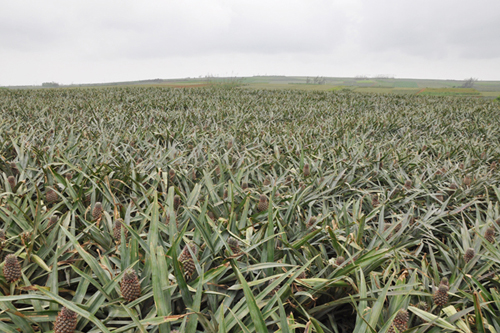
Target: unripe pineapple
13	166
263	204
311	221
302	186
288	180
375	201
453	186
490	235
177	202
224	196
11	268
171	173
441	295
498	221
440	197
51	195
244	185
130	286
445	281
187	261
400	322
467	181
408	184
307	170
234	245
97	211
117	230
66	321
267	181
12	182
53	220
193	175
68	176
423	306
169	216
339	261
2	235
469	255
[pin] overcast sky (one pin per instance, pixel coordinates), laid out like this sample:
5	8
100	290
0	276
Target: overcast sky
101	41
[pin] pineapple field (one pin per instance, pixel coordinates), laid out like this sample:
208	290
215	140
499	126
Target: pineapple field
219	209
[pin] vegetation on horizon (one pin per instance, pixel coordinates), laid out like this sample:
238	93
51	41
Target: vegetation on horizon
235	210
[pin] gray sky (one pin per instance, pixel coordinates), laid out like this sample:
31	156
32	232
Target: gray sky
99	41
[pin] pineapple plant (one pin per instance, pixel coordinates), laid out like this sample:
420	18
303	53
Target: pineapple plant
440	297
117	230
234	245
469	255
400	322
51	195
177	202
66	321
97	211
340	260
130	286
186	260
306	171
263	203
11	268
12	182
489	235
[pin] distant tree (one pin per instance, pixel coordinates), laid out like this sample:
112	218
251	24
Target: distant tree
498	98
308	80
50	84
319	80
469	83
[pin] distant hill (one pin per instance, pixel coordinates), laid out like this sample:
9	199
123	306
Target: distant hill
487	89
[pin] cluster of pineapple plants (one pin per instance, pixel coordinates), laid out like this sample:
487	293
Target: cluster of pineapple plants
234	210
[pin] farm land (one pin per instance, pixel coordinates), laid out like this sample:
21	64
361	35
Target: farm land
251	205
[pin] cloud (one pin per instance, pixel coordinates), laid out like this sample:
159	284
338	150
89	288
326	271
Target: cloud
106	40
432	29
